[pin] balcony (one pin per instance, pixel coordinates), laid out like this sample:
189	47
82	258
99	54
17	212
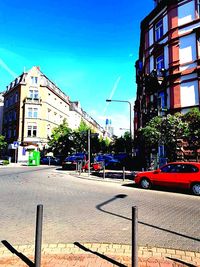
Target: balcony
29	100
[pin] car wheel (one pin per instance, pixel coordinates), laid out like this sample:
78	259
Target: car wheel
145	183
196	189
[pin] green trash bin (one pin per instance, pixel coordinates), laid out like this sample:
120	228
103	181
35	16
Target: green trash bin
34	158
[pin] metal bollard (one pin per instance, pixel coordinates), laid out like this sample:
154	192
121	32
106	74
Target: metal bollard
124	174
134	237
104	173
38	235
79	167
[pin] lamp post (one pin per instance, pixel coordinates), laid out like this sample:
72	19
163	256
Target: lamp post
125	101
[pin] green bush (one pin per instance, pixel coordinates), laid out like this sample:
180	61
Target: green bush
5	162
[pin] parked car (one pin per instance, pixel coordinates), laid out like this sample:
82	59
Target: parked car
95	166
184	175
70	163
108	161
49	160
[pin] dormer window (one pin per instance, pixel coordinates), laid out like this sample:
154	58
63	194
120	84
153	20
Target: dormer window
158	30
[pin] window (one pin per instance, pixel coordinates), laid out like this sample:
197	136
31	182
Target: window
9	133
14	132
14	115
34	80
187	168
158	30
198	7
10	101
16	97
32	131
160	62
33	94
6	103
10	116
32	112
167	168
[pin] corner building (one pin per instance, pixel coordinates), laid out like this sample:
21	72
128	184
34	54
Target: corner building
168	68
33	106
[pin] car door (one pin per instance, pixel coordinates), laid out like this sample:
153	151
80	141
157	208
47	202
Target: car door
186	175
163	176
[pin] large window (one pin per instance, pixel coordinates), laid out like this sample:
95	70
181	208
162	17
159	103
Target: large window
32	131
160	62
158	30
32	112
33	94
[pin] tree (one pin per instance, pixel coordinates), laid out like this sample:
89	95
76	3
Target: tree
192	133
164	131
3	143
150	135
172	130
61	141
104	145
83	127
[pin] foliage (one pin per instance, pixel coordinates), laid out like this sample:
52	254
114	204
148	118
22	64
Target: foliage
121	144
83	127
164	131
192	133
61	139
104	145
3	143
172	130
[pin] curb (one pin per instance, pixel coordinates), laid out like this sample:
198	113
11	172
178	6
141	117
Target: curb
96	178
187	257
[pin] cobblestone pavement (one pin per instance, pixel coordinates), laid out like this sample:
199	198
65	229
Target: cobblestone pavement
97	254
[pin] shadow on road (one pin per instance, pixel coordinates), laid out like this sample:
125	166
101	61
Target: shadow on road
99	207
163	189
18	254
180	261
99	255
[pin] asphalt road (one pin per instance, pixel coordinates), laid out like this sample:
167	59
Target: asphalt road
80	210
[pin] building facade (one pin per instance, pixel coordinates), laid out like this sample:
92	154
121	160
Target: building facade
168	68
33	107
77	114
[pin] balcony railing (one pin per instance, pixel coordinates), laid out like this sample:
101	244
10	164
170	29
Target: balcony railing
30	100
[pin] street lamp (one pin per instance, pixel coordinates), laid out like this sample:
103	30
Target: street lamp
125	101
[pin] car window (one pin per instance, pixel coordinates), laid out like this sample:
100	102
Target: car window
187	168
167	168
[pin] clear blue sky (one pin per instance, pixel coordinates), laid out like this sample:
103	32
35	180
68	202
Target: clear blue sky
87	47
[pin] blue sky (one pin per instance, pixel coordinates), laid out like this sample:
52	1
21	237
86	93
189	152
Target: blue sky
87	47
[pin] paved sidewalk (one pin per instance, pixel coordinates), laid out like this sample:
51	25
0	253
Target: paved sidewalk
95	255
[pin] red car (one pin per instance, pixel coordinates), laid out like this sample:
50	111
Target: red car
184	175
94	167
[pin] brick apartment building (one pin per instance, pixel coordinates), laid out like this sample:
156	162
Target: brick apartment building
168	68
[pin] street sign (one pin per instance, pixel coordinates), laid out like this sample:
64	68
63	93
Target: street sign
16	144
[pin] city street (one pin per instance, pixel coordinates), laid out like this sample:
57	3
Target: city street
81	210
